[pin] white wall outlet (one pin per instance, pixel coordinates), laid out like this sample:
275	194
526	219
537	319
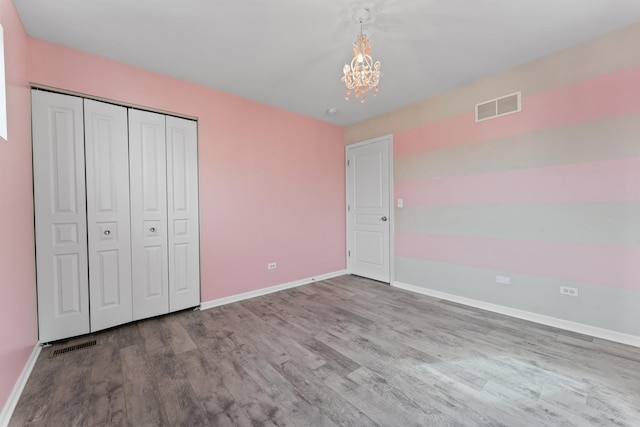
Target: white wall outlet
400	203
565	290
271	266
503	280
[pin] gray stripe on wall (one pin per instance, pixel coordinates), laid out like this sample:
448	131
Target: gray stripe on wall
604	139
614	224
608	308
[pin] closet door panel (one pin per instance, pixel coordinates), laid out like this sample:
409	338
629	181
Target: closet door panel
60	216
182	208
148	187
107	159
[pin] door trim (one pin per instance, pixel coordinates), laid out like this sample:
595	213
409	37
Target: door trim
386	138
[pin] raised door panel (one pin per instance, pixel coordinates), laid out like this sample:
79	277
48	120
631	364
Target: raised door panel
107	160
148	187
182	208
60	216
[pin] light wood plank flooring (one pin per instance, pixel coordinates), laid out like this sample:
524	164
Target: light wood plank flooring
343	352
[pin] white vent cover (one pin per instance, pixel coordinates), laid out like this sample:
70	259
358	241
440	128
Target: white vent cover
502	106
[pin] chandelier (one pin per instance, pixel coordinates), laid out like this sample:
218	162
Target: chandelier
363	74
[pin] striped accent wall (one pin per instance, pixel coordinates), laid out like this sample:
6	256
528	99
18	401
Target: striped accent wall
549	196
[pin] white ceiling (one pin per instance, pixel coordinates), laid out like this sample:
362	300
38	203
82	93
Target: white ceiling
290	53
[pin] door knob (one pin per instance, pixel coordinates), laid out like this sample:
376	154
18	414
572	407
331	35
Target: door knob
107	232
384	218
152	229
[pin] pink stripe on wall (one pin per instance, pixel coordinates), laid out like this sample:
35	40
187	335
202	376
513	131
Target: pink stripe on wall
609	266
609	95
612	180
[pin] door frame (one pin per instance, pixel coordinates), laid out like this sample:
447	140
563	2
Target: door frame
349	227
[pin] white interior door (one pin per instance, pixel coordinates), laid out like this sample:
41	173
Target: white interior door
182	211
60	216
368	209
107	159
148	186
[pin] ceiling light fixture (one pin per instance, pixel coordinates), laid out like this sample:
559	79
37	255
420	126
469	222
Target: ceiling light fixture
363	74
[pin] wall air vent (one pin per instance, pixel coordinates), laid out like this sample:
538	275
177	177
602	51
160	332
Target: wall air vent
499	107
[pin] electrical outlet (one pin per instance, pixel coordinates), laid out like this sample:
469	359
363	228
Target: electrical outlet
565	290
503	280
271	266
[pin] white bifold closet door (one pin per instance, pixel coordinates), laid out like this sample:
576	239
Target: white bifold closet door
182	209
163	162
148	186
107	178
60	216
116	214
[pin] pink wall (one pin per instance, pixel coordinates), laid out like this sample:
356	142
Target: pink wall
271	182
18	331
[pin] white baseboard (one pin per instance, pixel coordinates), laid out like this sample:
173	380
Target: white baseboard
580	328
14	396
271	289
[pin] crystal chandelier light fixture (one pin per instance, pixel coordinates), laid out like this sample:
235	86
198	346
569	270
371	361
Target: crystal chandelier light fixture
363	74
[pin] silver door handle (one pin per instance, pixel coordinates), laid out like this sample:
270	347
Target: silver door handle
107	232
152	229
384	218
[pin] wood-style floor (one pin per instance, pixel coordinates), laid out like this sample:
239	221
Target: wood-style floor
345	352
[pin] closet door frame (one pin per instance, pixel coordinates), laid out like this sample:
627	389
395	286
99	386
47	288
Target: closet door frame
164	243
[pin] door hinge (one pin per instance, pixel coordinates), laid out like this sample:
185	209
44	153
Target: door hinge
348	208
349	253
348	162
